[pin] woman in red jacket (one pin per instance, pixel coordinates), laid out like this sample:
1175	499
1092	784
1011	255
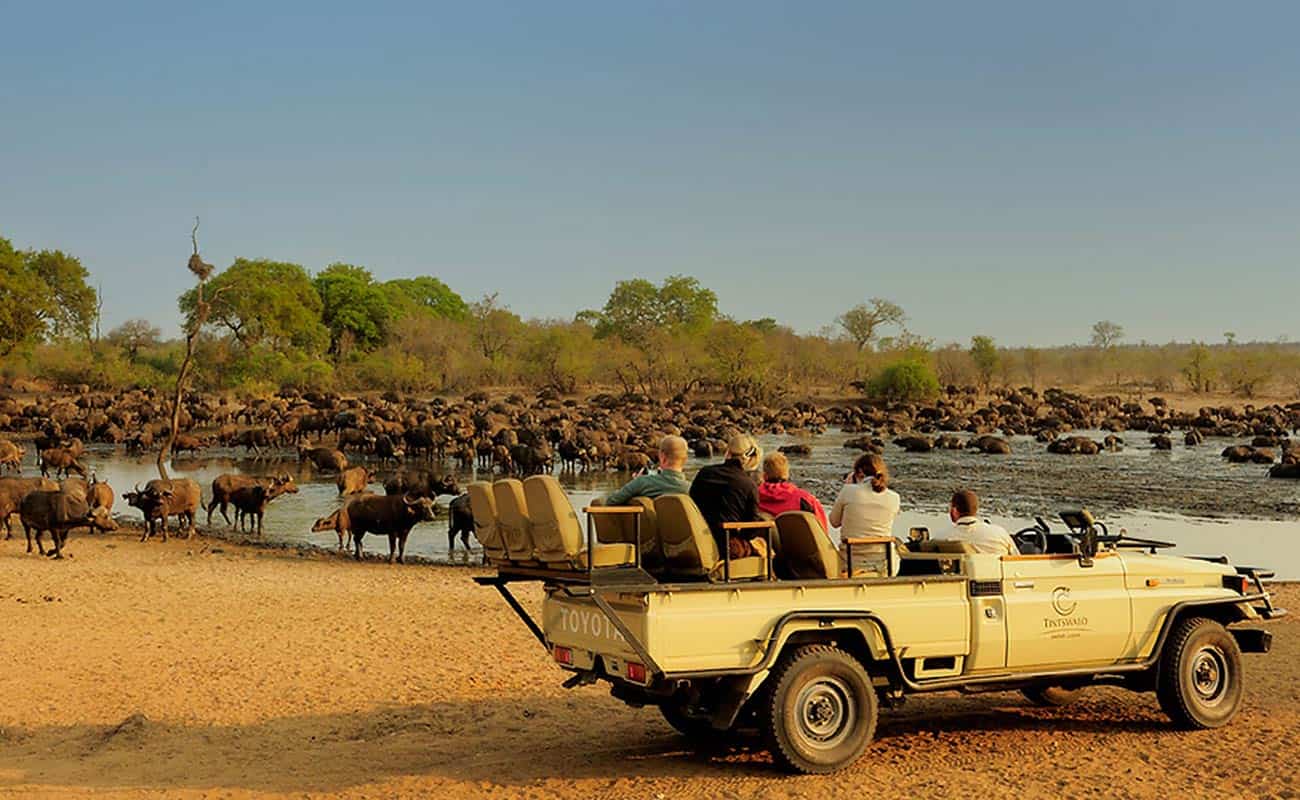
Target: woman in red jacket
777	494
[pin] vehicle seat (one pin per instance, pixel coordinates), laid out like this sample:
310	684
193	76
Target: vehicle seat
618	529
483	506
806	550
688	545
557	534
512	520
1061	544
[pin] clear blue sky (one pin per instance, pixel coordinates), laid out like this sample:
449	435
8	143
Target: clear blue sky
1016	169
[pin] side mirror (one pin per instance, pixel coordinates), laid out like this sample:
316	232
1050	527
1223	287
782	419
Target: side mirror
1087	546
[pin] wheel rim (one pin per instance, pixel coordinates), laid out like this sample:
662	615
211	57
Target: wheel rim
827	713
1209	675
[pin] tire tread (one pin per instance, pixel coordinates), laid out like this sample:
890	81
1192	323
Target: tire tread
784	756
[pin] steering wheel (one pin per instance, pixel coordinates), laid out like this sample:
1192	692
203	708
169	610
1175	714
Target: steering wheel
1035	538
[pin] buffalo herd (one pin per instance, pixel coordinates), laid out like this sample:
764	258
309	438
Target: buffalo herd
355	438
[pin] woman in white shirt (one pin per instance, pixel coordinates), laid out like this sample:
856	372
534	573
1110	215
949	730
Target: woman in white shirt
866	506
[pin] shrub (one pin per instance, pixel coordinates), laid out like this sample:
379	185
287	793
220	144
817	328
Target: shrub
908	380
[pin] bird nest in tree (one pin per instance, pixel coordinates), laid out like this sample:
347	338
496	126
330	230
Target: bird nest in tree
200	268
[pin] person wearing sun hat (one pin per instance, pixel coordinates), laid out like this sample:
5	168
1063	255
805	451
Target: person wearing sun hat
727	492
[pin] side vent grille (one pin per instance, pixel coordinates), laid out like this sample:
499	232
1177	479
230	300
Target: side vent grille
985	588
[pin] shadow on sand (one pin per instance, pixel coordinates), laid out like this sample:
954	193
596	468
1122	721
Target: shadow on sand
498	741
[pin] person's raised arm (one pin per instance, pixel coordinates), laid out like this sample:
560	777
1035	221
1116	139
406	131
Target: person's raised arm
837	510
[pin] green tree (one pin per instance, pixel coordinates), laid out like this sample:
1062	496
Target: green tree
134	335
355	309
495	328
1106	334
738	359
22	297
42	293
863	322
71	301
984	355
260	301
637	308
1033	359
1199	370
424	294
908	380
559	355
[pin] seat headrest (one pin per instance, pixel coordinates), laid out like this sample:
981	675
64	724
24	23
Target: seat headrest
510	501
482	503
546	499
805	548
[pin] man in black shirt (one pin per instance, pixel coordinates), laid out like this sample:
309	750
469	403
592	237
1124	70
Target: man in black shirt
727	493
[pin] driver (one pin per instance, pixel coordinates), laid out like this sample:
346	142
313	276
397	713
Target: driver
966	527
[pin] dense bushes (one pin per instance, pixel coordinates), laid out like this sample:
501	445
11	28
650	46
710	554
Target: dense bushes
909	380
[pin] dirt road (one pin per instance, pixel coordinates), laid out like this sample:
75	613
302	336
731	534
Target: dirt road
210	669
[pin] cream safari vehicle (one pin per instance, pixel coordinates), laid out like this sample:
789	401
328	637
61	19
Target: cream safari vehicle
806	651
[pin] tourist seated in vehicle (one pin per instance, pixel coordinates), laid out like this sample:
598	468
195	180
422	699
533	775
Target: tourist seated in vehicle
777	494
866	506
668	479
727	493
966	527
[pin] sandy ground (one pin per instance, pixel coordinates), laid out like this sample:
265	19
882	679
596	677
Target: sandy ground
212	669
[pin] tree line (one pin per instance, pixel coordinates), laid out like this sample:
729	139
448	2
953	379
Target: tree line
273	324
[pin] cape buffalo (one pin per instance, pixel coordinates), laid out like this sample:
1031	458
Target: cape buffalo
58	511
251	501
12	492
421	482
160	499
386	515
337	522
915	444
11	455
62	460
225	484
323	458
460	522
354	480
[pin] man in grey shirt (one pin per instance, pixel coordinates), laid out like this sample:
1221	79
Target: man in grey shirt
668	479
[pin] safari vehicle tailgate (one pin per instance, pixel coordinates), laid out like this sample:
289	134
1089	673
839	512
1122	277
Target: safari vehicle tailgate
575	621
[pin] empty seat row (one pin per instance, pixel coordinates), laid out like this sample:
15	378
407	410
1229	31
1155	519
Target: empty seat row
532	523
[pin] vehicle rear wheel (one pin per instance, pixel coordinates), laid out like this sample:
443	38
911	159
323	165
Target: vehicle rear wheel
820	714
1051	696
1199	683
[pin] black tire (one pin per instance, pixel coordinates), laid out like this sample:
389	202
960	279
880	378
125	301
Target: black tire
1051	696
694	728
820	713
1199	683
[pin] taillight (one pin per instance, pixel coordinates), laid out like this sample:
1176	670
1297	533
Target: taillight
564	655
635	672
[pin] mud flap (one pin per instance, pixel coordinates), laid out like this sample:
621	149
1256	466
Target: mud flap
1252	640
735	693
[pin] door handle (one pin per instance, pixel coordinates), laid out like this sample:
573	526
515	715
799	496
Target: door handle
1024	584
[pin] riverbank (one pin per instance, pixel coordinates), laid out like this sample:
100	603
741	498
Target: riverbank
212	668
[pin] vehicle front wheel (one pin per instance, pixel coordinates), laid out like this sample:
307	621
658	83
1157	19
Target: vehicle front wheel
1051	696
821	712
1199	683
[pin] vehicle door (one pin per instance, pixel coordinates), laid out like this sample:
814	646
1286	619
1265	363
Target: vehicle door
1061	612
